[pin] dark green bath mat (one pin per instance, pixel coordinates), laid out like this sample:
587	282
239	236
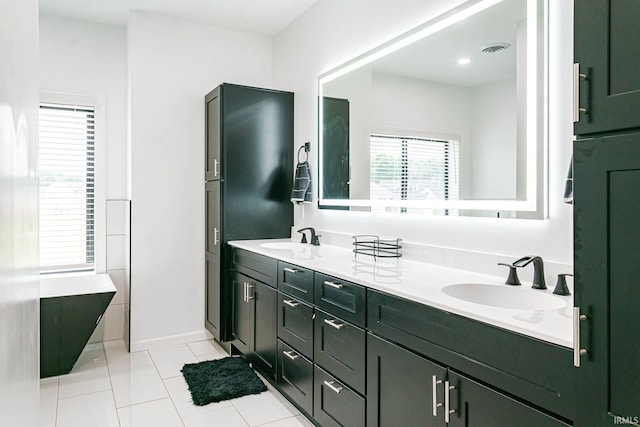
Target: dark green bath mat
222	379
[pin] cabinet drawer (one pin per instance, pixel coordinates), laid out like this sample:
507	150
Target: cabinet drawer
334	404
295	324
341	298
295	377
340	349
295	281
259	267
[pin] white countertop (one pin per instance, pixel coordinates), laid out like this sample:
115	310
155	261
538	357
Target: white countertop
423	282
62	285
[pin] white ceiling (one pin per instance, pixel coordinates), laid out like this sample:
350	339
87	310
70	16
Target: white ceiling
256	16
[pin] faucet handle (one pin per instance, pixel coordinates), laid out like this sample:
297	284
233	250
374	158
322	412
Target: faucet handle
304	235
561	285
314	239
512	279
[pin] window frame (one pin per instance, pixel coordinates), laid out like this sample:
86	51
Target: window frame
99	226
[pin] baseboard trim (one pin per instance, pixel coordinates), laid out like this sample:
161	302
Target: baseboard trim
169	341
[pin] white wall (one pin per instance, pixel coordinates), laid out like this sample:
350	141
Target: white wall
19	290
88	59
334	31
172	65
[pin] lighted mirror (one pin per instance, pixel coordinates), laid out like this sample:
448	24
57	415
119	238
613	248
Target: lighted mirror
447	119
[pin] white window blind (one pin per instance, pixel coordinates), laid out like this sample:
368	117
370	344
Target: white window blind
413	168
66	166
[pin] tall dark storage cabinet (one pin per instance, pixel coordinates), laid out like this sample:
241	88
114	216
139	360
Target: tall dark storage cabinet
248	174
607	211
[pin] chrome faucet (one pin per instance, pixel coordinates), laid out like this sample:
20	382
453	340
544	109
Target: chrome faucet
538	270
314	236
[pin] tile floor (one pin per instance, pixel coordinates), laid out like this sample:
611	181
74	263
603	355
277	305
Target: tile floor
109	387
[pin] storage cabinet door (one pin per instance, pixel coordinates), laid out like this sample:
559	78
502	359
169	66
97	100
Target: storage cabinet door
213	166
341	298
265	326
476	405
295	324
606	47
607	274
242	314
50	333
295	377
295	281
400	387
213	218
335	404
213	294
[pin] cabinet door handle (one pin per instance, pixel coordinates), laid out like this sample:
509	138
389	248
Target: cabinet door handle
291	354
291	303
334	284
577	76
577	351
333	324
447	401
330	384
244	289
434	382
290	270
216	240
249	292
215	167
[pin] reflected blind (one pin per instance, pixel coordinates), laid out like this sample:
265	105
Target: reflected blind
66	167
413	168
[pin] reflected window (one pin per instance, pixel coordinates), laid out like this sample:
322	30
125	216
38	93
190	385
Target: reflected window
413	168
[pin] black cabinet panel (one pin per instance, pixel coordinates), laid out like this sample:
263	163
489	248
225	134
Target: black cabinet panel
340	348
242	316
295	281
607	272
334	404
50	336
295	324
259	267
213	166
476	405
212	291
213	202
400	386
606	47
341	298
295	377
265	326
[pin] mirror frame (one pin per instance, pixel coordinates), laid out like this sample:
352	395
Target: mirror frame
535	204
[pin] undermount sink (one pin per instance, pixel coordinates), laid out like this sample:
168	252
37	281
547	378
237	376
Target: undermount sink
277	245
504	296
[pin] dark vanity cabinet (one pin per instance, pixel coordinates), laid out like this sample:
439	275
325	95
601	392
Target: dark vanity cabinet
248	179
253	313
606	178
607	56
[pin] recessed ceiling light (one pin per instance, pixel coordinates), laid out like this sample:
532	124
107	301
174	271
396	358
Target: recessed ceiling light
464	61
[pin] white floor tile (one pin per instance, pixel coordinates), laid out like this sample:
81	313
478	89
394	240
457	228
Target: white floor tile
170	361
261	408
118	358
137	385
48	400
181	396
88	379
94	409
223	417
200	348
213	356
298	421
159	413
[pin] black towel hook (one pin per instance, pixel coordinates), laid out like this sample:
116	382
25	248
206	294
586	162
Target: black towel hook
306	147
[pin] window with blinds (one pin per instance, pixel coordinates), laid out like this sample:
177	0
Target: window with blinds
413	168
66	159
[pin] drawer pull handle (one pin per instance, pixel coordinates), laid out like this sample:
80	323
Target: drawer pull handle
577	351
434	382
291	354
333	324
447	401
291	270
332	387
334	284
291	303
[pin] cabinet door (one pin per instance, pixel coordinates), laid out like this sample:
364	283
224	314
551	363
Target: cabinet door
607	273
476	405
213	294
606	47
213	166
242	314
400	387
50	319
213	216
265	300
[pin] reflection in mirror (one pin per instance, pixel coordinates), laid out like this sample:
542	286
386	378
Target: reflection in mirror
446	119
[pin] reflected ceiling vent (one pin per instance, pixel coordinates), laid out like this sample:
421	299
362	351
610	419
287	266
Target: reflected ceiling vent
495	47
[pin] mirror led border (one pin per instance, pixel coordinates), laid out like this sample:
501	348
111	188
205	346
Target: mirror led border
535	44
